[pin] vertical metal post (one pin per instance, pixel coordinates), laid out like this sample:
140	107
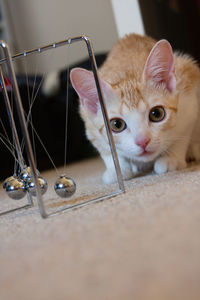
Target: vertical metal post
23	126
104	112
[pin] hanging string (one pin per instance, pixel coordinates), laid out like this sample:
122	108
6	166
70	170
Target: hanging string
31	100
29	119
66	109
30	107
9	148
15	139
6	137
16	163
45	149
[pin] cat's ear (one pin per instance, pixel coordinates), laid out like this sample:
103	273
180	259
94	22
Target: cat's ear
83	82
159	67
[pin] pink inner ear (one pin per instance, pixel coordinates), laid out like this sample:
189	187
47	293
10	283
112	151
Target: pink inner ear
159	67
84	84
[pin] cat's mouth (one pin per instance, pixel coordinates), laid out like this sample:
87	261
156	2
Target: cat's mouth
146	155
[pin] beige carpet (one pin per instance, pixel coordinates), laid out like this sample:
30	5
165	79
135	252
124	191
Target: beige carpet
144	244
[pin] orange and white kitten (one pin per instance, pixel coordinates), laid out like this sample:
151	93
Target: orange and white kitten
152	98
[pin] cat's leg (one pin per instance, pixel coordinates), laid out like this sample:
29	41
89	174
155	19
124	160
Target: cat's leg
134	168
175	159
109	175
193	152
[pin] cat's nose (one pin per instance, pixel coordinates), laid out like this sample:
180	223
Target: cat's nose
142	142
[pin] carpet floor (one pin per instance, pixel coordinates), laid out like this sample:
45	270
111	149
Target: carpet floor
144	244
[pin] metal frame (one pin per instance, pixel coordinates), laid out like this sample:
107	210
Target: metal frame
8	60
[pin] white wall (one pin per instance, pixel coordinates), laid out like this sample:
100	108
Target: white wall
128	17
38	22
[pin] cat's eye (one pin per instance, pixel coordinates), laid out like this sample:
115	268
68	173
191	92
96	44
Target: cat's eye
117	125
157	114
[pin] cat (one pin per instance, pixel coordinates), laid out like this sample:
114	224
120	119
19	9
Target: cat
152	99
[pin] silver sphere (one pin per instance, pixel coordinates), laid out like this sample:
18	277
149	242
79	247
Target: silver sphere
65	186
26	174
30	186
7	180
15	188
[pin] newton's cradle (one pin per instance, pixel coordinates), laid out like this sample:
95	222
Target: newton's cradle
26	180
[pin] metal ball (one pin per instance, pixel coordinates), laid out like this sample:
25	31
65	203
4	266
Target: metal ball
65	186
15	188
7	180
30	186
26	174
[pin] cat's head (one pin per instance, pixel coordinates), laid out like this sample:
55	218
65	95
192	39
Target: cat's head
142	113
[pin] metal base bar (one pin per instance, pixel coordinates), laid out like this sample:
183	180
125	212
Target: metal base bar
15	209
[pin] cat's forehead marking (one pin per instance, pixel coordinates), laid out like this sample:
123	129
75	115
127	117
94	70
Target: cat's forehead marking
123	107
122	94
133	96
129	91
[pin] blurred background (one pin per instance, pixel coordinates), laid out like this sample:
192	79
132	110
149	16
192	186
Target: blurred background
28	24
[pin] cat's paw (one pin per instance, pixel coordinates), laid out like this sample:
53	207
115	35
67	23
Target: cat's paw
110	176
134	169
165	164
